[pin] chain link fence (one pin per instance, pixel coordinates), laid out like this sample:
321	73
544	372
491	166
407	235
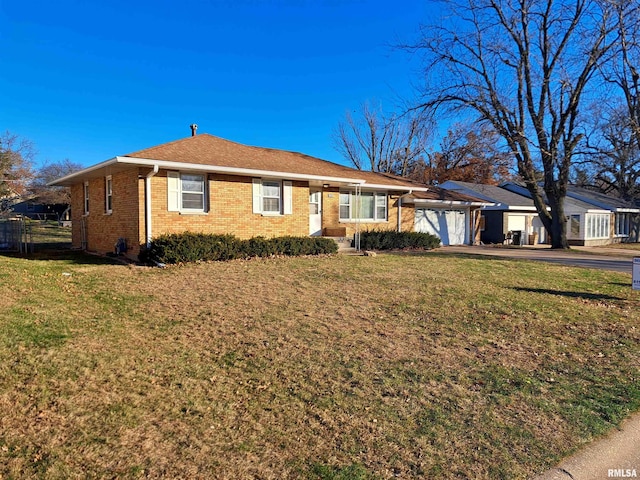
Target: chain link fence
24	235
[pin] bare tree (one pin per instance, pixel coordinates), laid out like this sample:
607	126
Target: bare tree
470	154
612	158
622	70
380	143
523	66
48	173
16	158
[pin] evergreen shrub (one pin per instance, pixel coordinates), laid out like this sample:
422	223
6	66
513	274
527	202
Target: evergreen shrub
390	240
193	247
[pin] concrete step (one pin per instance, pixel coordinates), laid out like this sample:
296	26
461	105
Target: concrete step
344	243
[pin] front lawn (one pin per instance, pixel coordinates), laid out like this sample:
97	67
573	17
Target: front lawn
397	366
624	246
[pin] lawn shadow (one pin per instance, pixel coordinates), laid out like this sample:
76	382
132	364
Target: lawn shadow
440	253
570	294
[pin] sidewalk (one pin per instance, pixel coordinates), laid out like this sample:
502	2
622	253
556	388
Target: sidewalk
615	456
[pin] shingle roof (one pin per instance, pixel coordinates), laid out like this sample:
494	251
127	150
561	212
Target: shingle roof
440	194
496	194
206	149
599	199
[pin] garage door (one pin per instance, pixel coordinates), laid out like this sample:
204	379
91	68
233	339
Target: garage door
449	225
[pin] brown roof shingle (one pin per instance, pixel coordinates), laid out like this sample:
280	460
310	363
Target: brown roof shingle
206	149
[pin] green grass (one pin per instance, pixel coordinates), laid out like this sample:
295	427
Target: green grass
48	234
402	365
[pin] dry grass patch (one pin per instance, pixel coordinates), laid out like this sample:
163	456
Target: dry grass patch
623	246
340	367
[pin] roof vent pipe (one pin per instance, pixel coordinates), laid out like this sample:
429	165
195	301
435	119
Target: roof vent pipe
193	127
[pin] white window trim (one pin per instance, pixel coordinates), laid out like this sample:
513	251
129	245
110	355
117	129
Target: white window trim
174	193
285	199
622	227
278	185
108	194
85	198
598	226
351	219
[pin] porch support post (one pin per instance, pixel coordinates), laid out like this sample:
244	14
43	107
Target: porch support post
358	200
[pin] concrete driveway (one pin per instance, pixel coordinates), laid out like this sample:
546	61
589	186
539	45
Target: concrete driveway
588	257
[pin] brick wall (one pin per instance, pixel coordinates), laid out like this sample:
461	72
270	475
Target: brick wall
102	229
230	210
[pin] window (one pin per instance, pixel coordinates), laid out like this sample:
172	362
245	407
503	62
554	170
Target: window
192	192
186	192
345	205
314	203
272	197
483	223
597	225
108	192
622	224
574	226
373	206
86	198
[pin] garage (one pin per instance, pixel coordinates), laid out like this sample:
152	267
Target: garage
450	225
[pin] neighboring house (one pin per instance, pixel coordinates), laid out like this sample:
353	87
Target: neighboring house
593	218
508	217
624	216
31	208
207	184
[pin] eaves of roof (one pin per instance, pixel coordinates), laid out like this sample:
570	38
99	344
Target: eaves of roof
120	163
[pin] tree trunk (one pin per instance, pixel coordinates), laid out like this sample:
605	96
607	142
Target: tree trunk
558	230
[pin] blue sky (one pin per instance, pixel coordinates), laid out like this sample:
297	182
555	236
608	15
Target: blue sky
88	80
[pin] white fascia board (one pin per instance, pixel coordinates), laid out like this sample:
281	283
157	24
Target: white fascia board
524	208
83	172
394	187
250	172
452	203
626	210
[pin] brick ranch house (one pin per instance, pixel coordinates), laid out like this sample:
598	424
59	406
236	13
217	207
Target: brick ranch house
207	184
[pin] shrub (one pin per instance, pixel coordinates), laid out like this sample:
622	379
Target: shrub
190	247
193	247
388	240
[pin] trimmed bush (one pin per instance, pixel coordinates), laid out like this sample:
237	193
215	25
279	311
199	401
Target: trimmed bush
390	240
190	247
194	247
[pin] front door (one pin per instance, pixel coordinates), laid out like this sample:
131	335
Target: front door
315	212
